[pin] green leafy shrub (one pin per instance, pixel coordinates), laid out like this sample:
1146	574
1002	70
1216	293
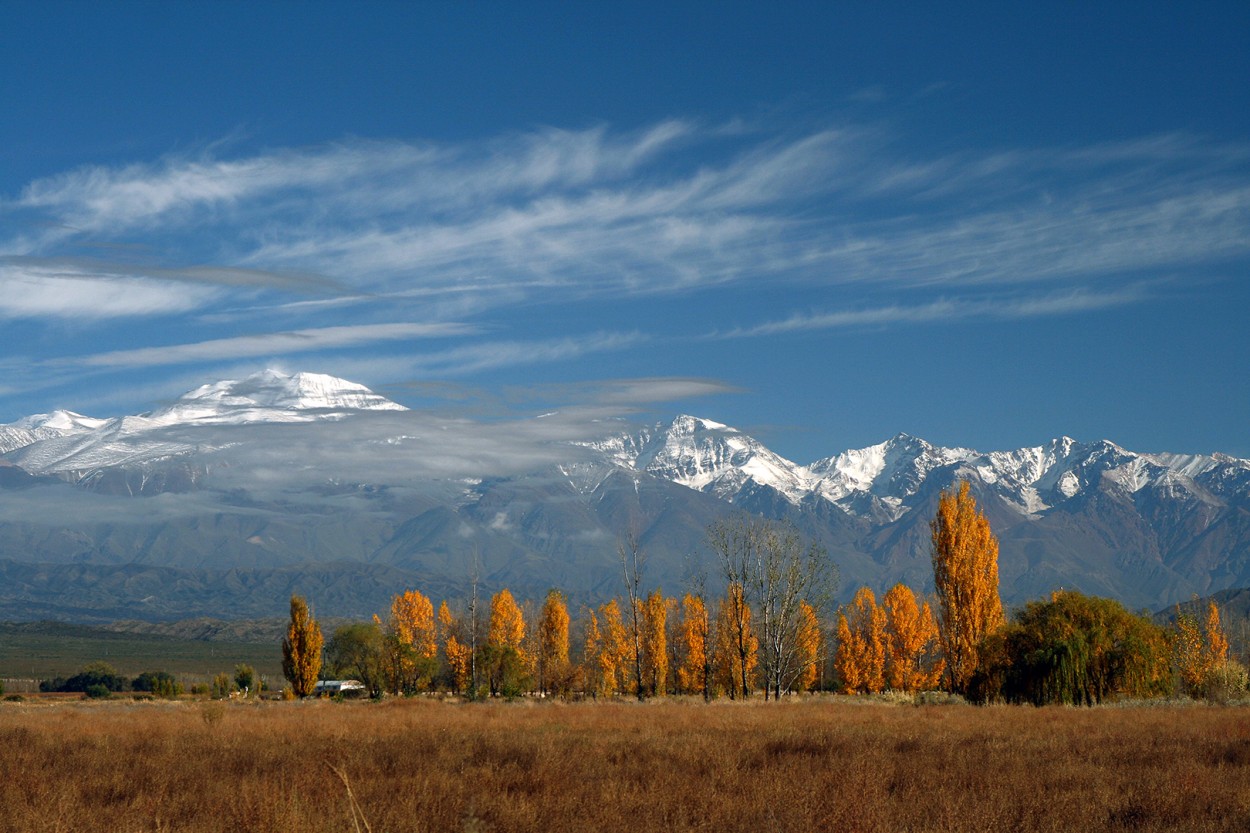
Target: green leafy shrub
244	677
157	683
92	674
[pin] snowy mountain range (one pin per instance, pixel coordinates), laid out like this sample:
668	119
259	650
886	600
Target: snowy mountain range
241	489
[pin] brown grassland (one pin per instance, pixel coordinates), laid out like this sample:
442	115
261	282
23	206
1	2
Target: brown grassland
836	764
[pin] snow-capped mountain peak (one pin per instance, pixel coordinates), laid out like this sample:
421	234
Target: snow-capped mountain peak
38	427
879	482
71	445
60	421
707	456
272	396
892	470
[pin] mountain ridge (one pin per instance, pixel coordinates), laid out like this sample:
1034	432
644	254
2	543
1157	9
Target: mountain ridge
278	470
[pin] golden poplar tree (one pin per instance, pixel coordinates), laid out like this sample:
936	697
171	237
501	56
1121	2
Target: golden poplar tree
301	649
596	681
911	636
868	620
737	647
965	577
1198	648
808	648
456	652
507	623
411	643
847	660
553	644
692	673
1187	650
505	642
654	643
1216	639
617	657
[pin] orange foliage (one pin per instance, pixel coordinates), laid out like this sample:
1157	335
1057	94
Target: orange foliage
412	618
911	635
411	646
458	654
846	663
616	655
507	624
654	641
301	649
691	674
737	648
553	642
861	653
808	646
1216	639
592	647
1199	649
965	575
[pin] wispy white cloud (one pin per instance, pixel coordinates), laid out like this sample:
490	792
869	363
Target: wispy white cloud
368	177
38	292
274	344
205	275
944	310
490	355
555	215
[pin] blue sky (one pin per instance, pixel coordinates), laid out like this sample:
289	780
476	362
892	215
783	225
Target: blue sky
822	224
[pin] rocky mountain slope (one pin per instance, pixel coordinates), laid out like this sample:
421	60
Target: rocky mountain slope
235	494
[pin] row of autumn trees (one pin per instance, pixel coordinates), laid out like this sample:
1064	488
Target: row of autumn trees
1069	648
664	646
767	632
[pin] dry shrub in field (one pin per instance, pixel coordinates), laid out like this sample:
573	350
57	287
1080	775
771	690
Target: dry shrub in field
212	713
805	764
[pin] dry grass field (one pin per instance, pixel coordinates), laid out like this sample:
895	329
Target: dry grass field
817	764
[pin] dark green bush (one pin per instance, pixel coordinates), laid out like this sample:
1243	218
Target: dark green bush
157	683
93	674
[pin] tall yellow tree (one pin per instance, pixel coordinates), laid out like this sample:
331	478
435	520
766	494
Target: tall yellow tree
847	662
595	680
456	652
411	643
912	663
737	647
507	623
1199	647
654	643
301	649
808	648
861	654
965	577
693	674
506	642
1216	639
616	659
553	644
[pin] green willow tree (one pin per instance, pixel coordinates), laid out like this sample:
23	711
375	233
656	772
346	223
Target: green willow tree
1076	650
